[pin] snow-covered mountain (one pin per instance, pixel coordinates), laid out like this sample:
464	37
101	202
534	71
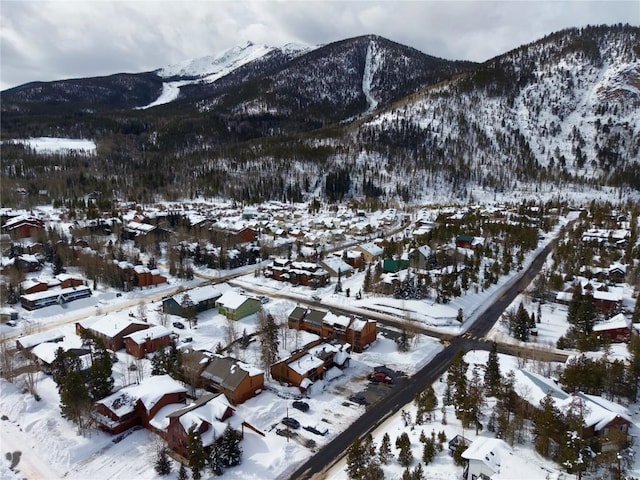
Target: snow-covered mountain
211	68
364	117
567	106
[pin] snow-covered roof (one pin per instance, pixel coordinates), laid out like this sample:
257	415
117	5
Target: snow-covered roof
372	249
34	339
153	332
597	411
333	319
112	324
615	322
232	300
490	451
305	363
200	294
149	391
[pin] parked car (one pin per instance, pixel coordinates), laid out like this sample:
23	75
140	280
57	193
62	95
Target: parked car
12	323
317	298
264	299
187	340
302	406
179	325
291	422
358	398
380	377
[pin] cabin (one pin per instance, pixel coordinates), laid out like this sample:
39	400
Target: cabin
8	314
23	227
27	342
111	329
208	415
617	329
300	369
370	251
149	340
484	458
137	404
235	306
237	380
204	298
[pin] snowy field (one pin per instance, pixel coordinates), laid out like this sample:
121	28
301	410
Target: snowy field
59	145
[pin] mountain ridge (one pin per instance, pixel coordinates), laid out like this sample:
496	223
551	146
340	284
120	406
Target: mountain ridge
368	118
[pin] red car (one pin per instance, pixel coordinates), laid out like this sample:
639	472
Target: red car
380	377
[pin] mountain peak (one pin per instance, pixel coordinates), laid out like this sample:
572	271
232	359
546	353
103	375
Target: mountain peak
213	67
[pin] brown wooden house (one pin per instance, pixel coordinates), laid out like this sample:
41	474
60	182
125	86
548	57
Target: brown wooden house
359	333
148	340
235	379
111	329
138	404
207	415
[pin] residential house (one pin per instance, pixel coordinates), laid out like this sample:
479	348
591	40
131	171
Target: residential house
7	314
468	241
148	340
359	333
600	416
337	266
137	404
204	298
44	355
617	329
68	281
300	369
23	227
237	380
370	251
235	306
207	415
485	457
298	273
33	285
111	329
27	342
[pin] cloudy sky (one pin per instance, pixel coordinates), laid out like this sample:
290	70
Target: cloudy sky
50	40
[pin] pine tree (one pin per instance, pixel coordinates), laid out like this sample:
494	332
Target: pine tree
547	422
182	473
475	400
356	460
574	454
384	453
230	450
522	322
213	461
457	380
188	309
100	379
403	443
75	401
492	376
635	318
195	452
428	451
418	473
163	465
366	284
268	340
